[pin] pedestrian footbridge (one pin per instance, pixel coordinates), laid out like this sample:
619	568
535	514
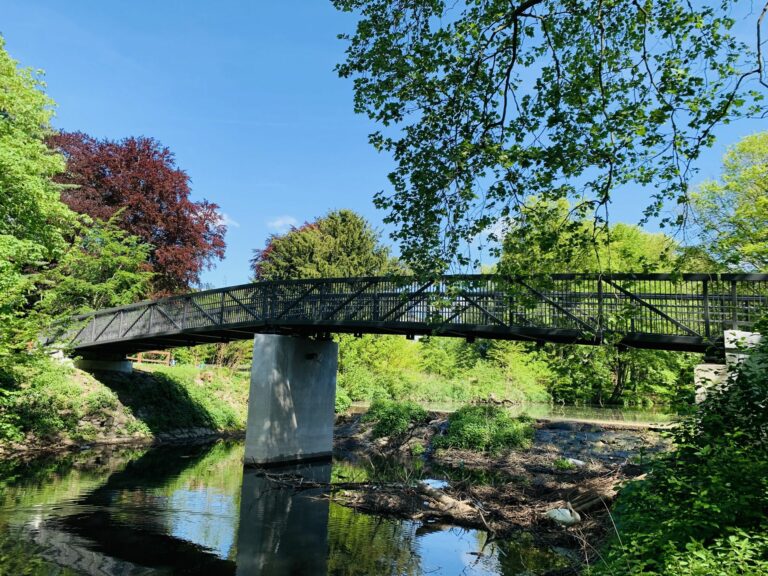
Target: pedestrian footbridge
293	374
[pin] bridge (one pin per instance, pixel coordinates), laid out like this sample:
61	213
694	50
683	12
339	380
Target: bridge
293	374
687	312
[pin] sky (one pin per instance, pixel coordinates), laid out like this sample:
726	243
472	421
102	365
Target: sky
242	91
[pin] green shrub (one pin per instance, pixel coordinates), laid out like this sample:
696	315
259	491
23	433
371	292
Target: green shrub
486	428
101	400
42	400
702	508
360	383
738	554
343	401
394	419
563	464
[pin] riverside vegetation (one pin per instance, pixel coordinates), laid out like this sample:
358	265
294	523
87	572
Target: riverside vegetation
700	510
61	406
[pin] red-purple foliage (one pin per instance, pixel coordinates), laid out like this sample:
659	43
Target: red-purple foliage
139	176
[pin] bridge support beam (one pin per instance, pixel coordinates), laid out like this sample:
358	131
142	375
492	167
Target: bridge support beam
291	403
708	376
104	363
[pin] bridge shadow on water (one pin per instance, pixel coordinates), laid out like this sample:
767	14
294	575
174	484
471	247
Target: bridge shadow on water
161	402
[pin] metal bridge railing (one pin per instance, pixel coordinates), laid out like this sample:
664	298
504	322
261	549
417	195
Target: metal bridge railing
697	306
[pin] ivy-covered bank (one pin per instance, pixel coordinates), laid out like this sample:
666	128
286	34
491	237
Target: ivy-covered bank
46	404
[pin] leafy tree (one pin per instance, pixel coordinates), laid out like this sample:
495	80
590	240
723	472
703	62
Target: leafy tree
550	244
32	219
340	244
603	374
138	179
486	102
733	212
103	267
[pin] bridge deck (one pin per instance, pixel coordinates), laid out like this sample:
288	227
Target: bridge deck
674	312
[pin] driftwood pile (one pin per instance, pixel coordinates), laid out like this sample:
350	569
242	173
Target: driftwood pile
500	509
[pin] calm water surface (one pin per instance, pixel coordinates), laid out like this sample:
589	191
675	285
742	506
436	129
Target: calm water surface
192	510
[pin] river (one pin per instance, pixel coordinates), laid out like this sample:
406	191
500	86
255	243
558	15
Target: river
192	510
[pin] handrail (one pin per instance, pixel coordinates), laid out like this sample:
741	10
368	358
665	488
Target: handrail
641	306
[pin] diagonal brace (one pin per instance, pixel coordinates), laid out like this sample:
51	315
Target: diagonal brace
134	322
296	302
410	301
196	305
562	309
107	325
244	306
651	307
164	313
349	299
482	308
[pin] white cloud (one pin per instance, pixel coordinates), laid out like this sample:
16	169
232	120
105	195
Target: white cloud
498	229
282	223
228	221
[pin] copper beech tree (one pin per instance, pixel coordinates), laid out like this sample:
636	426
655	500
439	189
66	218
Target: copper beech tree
139	176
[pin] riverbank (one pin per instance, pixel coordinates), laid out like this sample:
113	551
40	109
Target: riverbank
62	408
581	464
503	494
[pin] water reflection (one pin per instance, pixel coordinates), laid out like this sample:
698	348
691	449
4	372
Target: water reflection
193	510
283	531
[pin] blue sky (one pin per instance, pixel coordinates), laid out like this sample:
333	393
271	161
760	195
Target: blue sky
243	92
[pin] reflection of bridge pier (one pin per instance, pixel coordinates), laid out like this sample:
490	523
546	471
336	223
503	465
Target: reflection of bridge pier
283	531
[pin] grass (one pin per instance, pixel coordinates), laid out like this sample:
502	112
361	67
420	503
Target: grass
394	419
170	398
563	464
45	403
486	429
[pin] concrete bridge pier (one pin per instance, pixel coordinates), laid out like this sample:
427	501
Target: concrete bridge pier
291	401
715	374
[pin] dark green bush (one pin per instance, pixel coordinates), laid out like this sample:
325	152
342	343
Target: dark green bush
703	508
486	428
394	419
342	402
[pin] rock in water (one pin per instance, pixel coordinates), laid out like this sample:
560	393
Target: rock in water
565	516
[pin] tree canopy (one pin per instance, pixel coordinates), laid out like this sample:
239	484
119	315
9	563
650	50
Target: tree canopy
30	210
733	211
339	244
52	262
103	267
485	103
138	178
32	219
550	244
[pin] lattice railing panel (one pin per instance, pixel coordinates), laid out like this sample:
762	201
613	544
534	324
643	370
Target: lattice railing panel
693	305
